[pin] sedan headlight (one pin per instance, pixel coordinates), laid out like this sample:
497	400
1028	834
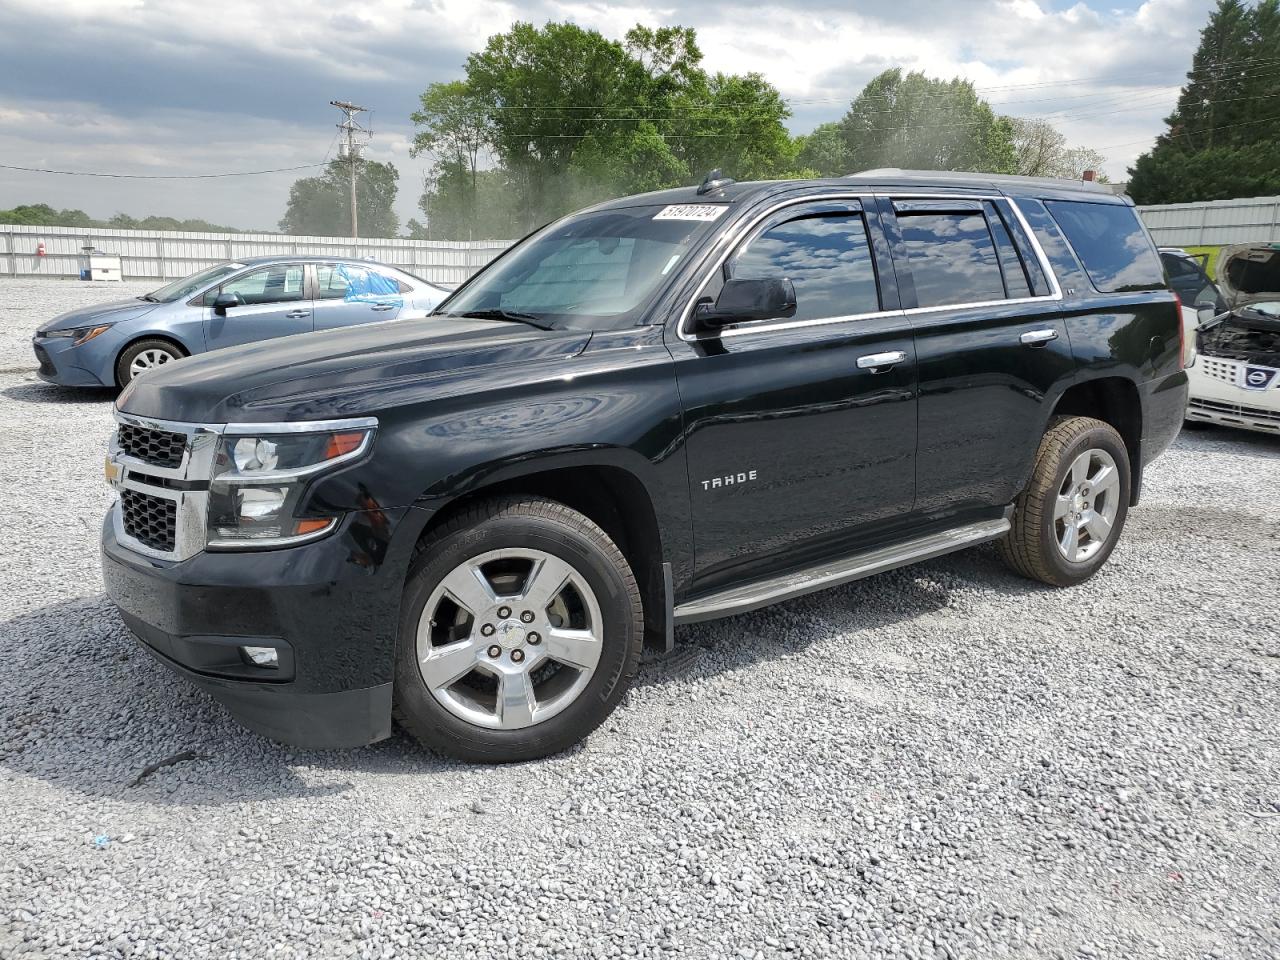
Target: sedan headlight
259	478
81	335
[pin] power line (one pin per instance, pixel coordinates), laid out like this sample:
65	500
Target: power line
159	176
1227	126
1266	64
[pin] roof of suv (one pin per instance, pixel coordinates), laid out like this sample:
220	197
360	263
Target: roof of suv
890	179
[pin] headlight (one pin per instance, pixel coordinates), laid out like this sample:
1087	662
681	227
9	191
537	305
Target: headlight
81	334
259	478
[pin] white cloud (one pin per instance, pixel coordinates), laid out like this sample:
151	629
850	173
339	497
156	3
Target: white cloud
191	87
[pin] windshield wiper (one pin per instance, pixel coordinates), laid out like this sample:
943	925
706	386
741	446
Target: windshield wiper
149	298
511	316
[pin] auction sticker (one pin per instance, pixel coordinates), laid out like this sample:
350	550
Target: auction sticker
692	211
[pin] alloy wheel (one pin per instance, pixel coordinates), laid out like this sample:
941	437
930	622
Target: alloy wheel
509	638
1084	512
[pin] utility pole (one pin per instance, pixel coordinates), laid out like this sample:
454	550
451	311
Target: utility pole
349	149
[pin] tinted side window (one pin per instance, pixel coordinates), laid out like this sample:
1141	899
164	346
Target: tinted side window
1178	267
1110	242
279	284
953	259
826	257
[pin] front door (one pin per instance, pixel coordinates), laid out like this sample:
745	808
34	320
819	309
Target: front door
801	431
272	302
991	345
348	294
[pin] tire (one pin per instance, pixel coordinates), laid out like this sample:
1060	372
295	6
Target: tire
475	707
136	354
1039	544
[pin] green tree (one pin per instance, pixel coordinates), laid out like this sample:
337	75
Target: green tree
461	204
1220	139
824	151
913	122
627	117
320	206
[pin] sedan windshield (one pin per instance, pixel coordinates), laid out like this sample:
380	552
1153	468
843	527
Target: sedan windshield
594	271
186	287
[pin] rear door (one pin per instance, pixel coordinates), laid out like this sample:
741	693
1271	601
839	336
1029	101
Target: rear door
348	294
273	302
800	444
991	346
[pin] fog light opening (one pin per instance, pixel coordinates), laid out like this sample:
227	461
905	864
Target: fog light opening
266	657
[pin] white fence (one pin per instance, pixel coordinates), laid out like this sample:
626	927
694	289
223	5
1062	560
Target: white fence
154	255
1214	223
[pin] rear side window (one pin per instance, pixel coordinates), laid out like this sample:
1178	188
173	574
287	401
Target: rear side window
953	258
826	257
1111	244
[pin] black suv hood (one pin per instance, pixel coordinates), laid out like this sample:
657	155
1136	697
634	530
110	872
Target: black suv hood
347	372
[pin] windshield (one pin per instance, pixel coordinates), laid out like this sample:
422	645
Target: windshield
186	287
594	271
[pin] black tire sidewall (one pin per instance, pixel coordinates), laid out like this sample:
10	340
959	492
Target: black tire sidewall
1099	437
126	358
455	736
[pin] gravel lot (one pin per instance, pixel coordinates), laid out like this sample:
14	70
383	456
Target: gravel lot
939	762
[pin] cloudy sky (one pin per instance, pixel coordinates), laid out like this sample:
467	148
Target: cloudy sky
186	87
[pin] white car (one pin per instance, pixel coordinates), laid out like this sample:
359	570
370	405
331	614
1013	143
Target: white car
1235	376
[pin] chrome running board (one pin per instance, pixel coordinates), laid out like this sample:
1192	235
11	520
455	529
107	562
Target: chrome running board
836	572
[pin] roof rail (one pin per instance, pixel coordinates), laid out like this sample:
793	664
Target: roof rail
1091	186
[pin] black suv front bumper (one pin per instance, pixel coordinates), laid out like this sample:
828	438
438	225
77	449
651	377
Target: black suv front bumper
330	607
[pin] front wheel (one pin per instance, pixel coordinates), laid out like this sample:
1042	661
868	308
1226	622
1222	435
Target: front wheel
520	632
1068	519
145	355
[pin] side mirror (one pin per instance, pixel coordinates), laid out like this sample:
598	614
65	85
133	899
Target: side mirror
741	301
1206	310
224	300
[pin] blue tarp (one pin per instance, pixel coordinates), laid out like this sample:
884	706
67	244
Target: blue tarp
364	285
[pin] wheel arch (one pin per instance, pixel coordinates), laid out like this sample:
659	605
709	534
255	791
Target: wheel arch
137	338
1115	401
612	496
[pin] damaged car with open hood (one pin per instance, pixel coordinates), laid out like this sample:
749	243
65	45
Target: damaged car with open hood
1236	378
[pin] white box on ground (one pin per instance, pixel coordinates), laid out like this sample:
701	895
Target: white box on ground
96	265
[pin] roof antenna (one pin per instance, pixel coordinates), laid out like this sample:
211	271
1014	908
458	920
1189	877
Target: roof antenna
715	183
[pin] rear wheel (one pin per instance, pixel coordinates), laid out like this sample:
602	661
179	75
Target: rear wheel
520	632
1068	519
145	355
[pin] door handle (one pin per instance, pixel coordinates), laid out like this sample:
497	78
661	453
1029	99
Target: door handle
298	314
380	307
1038	338
877	362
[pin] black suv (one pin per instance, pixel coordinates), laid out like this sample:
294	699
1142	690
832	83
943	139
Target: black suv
663	409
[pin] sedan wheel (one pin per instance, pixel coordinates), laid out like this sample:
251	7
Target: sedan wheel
149	360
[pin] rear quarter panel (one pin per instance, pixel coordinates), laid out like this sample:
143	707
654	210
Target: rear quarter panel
1135	336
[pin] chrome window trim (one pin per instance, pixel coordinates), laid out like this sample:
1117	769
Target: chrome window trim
739	235
191	533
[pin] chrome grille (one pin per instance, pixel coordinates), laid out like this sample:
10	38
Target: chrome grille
161	448
150	520
1224	370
